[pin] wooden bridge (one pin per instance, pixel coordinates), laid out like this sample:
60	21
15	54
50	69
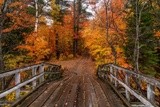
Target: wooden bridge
77	85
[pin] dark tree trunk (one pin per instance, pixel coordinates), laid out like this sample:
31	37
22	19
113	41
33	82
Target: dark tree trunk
57	47
74	27
2	21
77	13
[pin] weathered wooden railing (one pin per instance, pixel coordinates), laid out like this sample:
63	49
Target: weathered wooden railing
31	77
136	89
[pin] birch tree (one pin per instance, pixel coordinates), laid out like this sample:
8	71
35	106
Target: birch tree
107	4
36	16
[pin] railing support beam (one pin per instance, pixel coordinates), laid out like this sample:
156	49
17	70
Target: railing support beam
115	74
150	93
111	73
34	83
17	81
41	71
127	81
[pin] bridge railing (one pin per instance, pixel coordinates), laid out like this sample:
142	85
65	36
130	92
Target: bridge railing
137	89
26	79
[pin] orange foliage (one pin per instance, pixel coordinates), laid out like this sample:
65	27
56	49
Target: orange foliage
1	2
19	16
38	44
158	34
41	45
65	34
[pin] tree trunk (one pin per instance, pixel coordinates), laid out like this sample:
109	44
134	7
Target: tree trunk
74	28
136	48
37	19
77	13
57	47
1	54
2	20
138	32
114	53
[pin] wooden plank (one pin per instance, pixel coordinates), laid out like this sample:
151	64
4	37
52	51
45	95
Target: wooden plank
88	100
29	100
127	82
3	94
34	95
41	70
150	80
101	98
81	92
112	98
150	93
115	74
39	102
11	72
72	96
17	81
111	73
8	73
57	94
141	98
64	96
91	92
34	83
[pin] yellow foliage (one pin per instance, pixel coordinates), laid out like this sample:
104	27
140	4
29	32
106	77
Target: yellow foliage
96	41
11	97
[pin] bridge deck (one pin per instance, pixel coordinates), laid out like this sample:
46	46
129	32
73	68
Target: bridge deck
78	88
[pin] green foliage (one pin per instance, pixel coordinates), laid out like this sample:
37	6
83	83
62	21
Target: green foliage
56	12
40	2
147	57
14	61
11	40
31	10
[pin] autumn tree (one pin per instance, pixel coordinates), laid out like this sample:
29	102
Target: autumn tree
4	10
113	33
37	47
18	23
115	25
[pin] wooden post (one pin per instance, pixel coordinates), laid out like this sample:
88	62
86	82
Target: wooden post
17	81
150	93
41	71
107	77
34	83
115	74
128	84
111	73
